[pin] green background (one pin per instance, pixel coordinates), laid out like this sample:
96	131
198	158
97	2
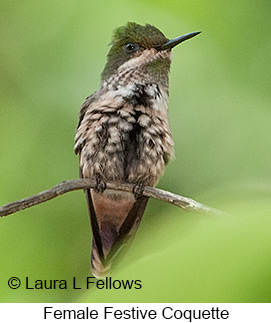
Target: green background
52	53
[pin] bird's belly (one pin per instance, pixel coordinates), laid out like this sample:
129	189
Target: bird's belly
129	161
128	144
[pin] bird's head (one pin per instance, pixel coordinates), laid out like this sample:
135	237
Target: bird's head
140	47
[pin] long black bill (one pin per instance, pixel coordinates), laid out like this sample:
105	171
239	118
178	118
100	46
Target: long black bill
173	42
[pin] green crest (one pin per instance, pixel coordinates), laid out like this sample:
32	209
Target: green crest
124	37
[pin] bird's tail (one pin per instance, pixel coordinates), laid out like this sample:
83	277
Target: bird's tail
98	268
114	222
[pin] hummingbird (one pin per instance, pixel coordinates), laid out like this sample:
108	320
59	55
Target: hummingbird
123	136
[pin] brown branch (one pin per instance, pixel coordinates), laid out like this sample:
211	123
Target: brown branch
77	184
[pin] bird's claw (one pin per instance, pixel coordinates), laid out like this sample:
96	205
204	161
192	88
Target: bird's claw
138	190
100	185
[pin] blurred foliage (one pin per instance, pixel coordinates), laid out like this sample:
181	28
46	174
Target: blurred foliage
51	56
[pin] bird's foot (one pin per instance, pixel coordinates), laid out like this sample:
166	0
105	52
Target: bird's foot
138	190
100	185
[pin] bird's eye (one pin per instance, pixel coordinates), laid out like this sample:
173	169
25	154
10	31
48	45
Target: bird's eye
131	47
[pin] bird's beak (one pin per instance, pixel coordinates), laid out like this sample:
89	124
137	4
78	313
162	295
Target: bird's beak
173	42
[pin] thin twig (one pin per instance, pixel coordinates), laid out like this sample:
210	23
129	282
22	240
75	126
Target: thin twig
77	184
